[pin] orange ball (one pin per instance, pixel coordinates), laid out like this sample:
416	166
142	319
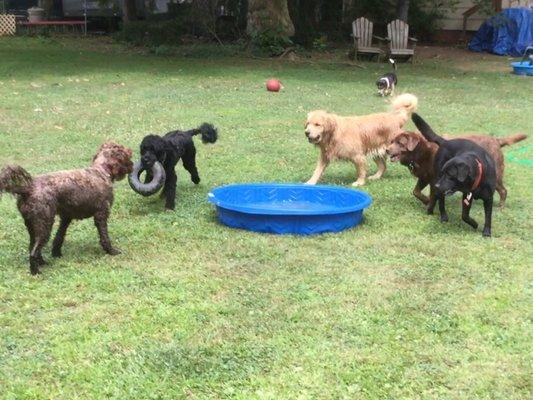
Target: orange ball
273	85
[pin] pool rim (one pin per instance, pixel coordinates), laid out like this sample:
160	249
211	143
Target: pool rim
364	199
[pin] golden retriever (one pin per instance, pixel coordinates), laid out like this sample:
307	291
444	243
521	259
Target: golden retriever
353	138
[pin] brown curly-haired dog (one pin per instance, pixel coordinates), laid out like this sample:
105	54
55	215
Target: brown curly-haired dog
75	194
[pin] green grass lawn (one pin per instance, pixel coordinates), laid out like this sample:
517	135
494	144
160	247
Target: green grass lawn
402	307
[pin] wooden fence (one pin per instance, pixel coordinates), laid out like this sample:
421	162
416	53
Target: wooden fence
8	25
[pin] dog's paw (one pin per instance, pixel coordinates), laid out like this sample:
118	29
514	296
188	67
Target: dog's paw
444	218
113	251
486	232
57	253
310	182
374	177
42	261
358	183
195	180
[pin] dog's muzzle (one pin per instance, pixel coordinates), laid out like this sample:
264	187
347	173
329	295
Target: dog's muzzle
447	192
393	157
147	163
312	139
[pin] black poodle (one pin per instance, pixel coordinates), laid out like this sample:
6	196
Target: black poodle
168	150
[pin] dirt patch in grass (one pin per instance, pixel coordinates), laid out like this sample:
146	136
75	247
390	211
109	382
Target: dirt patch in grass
464	59
461	58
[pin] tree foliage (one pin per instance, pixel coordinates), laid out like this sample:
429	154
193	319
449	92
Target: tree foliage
277	24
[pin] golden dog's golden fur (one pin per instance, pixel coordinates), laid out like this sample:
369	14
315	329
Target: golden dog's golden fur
353	138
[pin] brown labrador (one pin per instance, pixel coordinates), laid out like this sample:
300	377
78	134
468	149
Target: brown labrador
417	154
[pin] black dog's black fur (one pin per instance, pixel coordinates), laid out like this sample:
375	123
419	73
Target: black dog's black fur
168	150
458	163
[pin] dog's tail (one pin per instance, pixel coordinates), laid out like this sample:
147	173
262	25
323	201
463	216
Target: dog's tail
512	139
15	180
393	64
426	130
405	103
209	133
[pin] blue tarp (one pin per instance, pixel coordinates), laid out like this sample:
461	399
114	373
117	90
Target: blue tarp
508	33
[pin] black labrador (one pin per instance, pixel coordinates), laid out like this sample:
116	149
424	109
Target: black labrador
461	166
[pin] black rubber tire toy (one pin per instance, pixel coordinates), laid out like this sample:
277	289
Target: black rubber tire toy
149	188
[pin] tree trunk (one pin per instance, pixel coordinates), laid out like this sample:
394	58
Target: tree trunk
347	6
129	11
271	15
303	14
402	9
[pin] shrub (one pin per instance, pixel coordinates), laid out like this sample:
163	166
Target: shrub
270	42
424	15
321	43
153	33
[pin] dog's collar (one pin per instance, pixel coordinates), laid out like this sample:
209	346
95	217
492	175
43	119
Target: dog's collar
477	181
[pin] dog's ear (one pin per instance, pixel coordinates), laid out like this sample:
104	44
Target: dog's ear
160	146
122	164
115	158
306	122
330	124
463	170
412	142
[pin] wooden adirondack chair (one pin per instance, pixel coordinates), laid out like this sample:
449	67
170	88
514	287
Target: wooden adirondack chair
362	30
399	39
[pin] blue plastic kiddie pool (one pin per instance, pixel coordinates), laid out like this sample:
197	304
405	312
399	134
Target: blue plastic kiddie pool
523	67
289	208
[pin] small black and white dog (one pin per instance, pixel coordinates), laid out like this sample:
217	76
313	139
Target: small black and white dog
387	82
168	150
